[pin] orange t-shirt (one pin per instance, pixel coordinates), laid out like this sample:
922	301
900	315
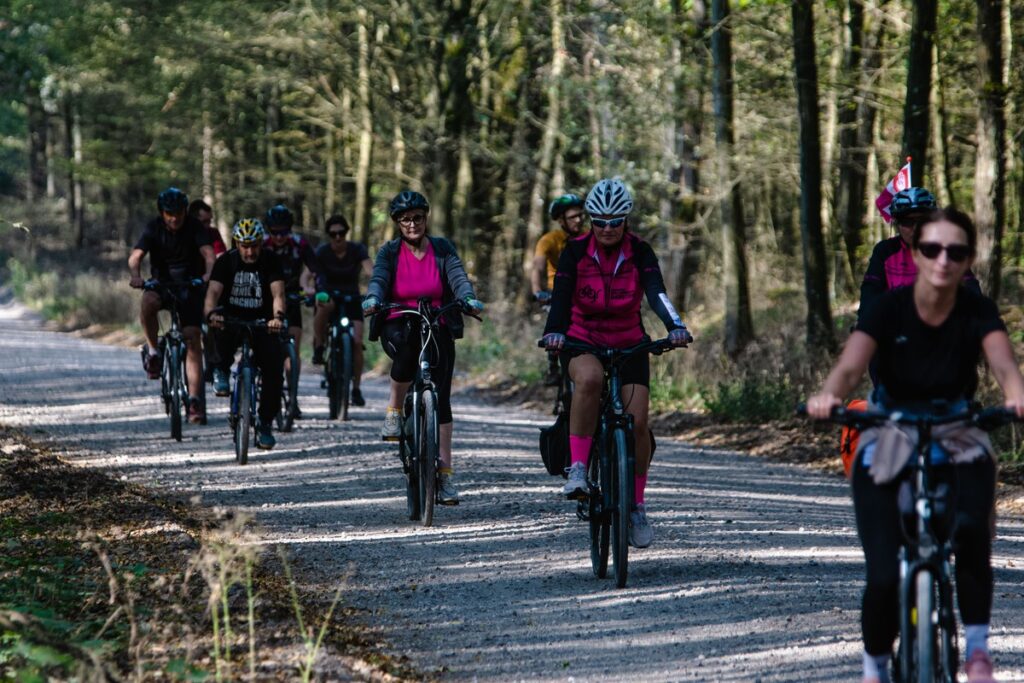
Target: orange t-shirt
550	246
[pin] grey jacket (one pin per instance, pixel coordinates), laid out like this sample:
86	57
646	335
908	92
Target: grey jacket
455	282
896	444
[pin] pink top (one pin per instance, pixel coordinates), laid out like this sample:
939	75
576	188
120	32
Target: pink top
416	278
606	303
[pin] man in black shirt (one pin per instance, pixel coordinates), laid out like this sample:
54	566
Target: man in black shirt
247	283
179	252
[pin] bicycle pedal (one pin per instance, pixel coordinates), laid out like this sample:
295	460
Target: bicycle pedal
323	384
391	439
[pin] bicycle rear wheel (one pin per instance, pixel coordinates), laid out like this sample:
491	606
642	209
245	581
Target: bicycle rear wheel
428	458
290	394
623	491
599	525
243	415
172	369
346	373
924	637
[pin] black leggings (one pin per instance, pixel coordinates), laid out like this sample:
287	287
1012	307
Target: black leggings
401	341
268	355
878	525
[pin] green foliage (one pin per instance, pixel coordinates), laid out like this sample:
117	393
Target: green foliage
751	398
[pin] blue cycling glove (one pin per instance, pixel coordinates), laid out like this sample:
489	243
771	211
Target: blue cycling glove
680	336
370	305
473	305
553	341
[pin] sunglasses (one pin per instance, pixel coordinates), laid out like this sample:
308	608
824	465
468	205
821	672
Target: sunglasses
957	253
610	224
280	233
337	234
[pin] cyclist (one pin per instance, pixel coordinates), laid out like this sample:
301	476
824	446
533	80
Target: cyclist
413	266
297	265
926	341
570	215
892	264
338	264
179	251
602	278
203	213
248	283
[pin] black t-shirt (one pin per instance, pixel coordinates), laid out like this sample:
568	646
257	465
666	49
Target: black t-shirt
174	256
246	292
341	274
918	362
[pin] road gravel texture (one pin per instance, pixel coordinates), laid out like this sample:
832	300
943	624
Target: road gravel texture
755	573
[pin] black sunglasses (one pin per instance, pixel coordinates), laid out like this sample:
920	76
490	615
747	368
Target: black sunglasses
337	234
279	233
957	253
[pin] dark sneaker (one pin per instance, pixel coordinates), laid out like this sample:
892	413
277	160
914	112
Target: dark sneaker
356	398
318	355
552	379
196	412
220	383
297	414
447	494
265	437
153	364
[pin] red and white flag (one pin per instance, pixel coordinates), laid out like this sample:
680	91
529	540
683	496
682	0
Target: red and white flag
900	181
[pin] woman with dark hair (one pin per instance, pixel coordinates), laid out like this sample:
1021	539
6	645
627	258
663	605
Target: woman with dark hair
926	341
338	265
408	268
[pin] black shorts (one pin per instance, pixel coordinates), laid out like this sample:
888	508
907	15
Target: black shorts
353	310
634	370
293	311
190	305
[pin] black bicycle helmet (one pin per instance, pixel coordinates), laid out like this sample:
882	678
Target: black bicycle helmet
279	217
405	200
172	200
563	204
912	200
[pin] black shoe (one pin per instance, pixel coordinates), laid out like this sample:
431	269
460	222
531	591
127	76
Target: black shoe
356	398
552	379
196	412
318	355
265	437
297	414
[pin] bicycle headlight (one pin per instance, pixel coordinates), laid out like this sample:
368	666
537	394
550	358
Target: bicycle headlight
344	322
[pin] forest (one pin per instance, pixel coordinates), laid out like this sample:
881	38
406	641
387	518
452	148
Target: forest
755	135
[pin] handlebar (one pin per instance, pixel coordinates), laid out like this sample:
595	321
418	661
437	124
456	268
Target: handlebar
431	312
655	347
987	419
154	285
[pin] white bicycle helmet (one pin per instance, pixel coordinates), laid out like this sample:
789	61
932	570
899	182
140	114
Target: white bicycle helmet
609	197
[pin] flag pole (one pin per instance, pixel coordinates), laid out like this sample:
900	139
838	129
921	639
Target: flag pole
910	173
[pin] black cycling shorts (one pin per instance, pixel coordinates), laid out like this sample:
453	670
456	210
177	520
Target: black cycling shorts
190	305
293	311
634	370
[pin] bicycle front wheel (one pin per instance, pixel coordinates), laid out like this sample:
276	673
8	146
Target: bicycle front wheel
290	395
243	416
428	458
622	487
176	400
924	641
599	523
346	374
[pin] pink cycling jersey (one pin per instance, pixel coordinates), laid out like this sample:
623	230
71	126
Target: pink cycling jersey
415	279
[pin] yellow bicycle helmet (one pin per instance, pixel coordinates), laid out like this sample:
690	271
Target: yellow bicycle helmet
248	231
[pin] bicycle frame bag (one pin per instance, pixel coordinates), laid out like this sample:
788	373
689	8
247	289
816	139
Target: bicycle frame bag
554	446
849	437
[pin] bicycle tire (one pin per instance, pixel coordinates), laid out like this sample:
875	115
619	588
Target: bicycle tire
924	637
412	484
165	382
623	489
346	374
290	395
949	653
331	375
243	417
599	526
428	457
172	360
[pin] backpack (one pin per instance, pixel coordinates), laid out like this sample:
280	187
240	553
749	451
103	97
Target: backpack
849	437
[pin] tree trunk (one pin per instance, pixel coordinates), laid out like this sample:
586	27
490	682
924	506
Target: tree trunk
38	141
819	315
850	205
917	107
361	220
990	164
739	327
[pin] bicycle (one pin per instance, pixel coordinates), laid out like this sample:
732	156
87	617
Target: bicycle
418	445
245	388
338	364
290	387
928	651
173	351
610	475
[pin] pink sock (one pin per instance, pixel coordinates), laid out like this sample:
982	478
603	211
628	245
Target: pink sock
639	483
579	448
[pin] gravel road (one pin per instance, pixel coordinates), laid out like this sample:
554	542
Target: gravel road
755	574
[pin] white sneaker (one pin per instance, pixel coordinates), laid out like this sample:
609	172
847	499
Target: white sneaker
392	428
577	487
640	532
447	494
